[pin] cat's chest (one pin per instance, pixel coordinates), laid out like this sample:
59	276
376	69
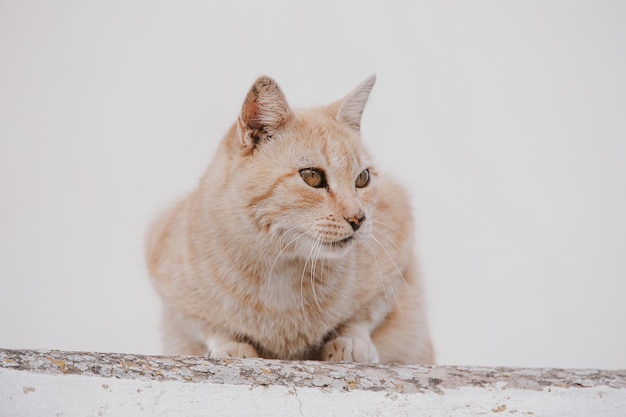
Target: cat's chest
295	310
308	289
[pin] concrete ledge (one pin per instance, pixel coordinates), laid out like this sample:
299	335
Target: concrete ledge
55	383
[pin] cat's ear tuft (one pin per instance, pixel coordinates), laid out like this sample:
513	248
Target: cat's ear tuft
265	111
353	104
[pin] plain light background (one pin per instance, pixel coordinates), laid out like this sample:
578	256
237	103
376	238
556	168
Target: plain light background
505	120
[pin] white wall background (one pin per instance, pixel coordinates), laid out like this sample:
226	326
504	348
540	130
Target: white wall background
515	113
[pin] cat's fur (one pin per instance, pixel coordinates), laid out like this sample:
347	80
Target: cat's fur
257	262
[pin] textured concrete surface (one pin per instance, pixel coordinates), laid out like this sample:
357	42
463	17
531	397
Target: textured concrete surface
88	383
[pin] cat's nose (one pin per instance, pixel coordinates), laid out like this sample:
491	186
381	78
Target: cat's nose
356	221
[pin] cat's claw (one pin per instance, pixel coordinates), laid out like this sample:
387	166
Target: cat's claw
234	350
350	349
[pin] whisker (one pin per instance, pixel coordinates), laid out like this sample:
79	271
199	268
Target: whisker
391	241
268	286
395	266
318	249
388	255
381	276
389	226
308	258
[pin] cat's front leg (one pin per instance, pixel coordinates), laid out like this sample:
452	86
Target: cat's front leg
352	345
222	346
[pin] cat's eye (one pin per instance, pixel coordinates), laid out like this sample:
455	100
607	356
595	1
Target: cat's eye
363	179
313	177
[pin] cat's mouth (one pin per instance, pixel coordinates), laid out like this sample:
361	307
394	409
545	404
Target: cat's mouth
340	243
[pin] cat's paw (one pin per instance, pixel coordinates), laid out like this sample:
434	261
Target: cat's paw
234	350
350	349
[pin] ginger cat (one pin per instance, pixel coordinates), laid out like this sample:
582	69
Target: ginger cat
293	245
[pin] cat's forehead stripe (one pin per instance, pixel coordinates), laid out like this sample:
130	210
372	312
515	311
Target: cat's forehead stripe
265	194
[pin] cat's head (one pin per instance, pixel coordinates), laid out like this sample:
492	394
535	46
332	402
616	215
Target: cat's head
305	176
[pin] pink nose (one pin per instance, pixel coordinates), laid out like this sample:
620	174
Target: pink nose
356	221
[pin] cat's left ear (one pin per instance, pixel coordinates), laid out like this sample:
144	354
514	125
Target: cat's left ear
352	106
264	112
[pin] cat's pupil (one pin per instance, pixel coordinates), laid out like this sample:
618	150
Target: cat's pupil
363	179
313	177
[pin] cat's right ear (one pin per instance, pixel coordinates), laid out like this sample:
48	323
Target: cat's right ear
264	112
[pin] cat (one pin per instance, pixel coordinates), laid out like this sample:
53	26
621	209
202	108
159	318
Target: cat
293	246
